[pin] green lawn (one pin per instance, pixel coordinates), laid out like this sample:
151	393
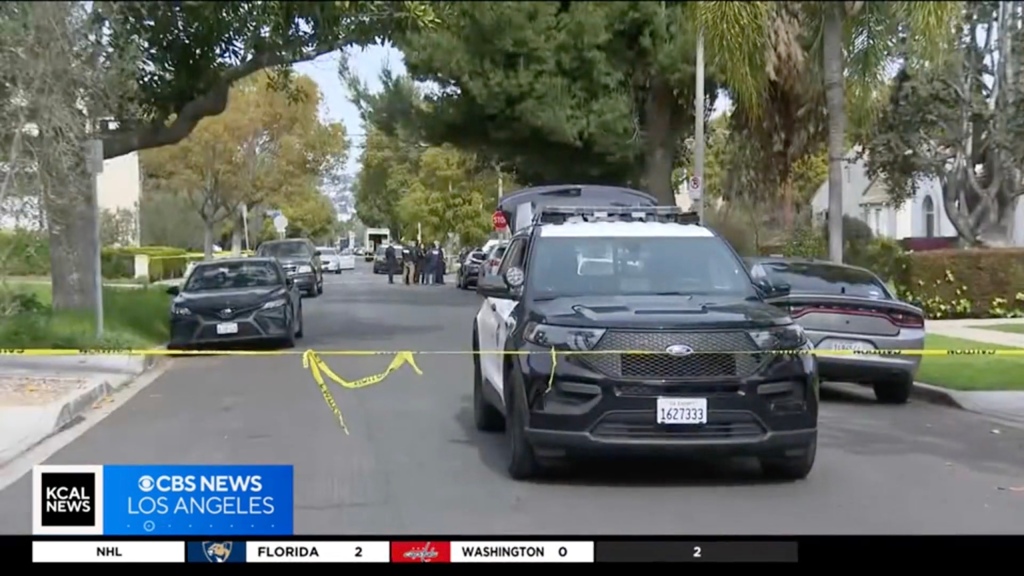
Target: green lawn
970	372
1010	327
133	318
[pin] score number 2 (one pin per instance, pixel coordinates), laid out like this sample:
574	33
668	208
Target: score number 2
697	552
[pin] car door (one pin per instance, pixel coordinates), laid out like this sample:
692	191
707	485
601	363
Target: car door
502	319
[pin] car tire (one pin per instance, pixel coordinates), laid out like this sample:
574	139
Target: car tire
522	461
300	332
312	293
791	467
894	391
487	418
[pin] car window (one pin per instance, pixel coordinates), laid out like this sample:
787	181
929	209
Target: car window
498	252
233	275
514	256
636	265
285	250
328	252
478	256
824	278
346	252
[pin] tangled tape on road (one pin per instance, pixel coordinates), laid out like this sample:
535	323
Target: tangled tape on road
313	361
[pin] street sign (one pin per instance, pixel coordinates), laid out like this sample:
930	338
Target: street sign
695	183
500	223
280	223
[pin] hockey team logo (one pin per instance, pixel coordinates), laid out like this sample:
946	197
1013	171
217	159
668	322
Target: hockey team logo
217	551
67	500
421	552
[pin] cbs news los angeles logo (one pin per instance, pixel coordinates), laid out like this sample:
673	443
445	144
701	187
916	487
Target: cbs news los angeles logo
67	500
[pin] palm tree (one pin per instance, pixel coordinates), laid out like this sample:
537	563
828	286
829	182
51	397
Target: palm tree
861	41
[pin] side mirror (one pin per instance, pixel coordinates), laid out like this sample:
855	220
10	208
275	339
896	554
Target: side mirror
769	290
493	287
173	290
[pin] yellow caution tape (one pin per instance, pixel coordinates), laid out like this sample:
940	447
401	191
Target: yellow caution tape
164	352
319	369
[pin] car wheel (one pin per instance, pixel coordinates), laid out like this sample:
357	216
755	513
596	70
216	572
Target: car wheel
791	467
299	331
312	293
486	417
894	391
522	461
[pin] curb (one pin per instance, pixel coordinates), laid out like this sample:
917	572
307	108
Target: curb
71	412
935	395
72	409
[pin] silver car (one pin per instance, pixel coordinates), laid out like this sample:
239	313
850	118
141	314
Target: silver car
849	309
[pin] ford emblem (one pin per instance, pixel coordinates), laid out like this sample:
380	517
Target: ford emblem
679	350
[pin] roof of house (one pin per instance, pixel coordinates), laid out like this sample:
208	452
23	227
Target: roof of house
876	193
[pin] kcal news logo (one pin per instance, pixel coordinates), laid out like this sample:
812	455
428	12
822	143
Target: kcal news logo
67	500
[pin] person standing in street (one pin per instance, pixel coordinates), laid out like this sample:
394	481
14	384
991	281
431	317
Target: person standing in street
432	263
439	271
408	260
389	259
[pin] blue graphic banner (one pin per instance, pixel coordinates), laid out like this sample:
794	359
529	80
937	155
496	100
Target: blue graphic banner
194	500
216	552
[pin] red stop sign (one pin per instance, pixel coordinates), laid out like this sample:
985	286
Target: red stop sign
500	223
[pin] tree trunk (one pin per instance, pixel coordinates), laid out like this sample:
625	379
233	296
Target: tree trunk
237	229
71	222
207	239
659	154
835	95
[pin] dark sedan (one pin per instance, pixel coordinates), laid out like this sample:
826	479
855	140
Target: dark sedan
469	270
301	261
235	300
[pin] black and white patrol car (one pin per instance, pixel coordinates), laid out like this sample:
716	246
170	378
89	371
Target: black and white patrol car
664	346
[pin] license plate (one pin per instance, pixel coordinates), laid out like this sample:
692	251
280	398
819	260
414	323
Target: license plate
847	345
227	328
682	411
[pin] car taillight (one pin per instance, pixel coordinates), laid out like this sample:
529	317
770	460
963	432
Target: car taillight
906	320
798	311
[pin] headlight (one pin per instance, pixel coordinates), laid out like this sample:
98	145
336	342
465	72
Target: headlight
275	304
790	337
564	337
304	269
180	310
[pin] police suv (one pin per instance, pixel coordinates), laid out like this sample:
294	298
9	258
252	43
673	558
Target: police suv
636	330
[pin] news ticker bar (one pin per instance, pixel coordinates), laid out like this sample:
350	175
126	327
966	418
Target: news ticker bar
569	549
379	551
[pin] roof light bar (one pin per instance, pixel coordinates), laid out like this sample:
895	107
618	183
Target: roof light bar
562	214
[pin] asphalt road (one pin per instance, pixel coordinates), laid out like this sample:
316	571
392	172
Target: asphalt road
414	464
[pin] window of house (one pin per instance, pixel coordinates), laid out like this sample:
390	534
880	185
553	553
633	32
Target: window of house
878	222
928	208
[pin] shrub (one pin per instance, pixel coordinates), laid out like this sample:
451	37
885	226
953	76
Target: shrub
976	283
805	242
24	253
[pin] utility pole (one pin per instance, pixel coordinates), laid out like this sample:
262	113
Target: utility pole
94	166
698	127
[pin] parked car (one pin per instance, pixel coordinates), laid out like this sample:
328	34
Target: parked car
235	300
469	269
850	309
495	251
380	262
334	261
300	260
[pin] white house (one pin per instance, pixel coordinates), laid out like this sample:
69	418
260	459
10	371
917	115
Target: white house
923	216
118	188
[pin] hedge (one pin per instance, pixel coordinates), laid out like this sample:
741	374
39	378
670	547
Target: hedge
27	253
970	283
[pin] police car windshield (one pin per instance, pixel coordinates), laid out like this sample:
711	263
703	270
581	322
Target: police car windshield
623	266
233	275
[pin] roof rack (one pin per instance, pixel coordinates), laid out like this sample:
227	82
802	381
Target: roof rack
563	214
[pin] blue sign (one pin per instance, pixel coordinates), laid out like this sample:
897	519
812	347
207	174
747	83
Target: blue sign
193	500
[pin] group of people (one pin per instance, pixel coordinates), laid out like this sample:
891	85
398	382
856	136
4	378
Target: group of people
420	264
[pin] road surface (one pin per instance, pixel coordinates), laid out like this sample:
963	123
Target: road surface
414	464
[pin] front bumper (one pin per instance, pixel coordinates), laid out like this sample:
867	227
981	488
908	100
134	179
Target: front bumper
773	412
253	325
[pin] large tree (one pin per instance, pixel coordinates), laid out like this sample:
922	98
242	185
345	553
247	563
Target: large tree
583	91
961	124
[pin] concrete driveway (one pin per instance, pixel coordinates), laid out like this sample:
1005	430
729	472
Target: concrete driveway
414	464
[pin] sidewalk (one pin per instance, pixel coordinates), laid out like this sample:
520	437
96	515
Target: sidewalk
40	396
1006	406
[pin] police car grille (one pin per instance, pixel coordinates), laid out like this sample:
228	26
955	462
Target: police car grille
716	355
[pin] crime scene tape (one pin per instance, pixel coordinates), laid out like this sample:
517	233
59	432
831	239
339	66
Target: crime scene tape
313	361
